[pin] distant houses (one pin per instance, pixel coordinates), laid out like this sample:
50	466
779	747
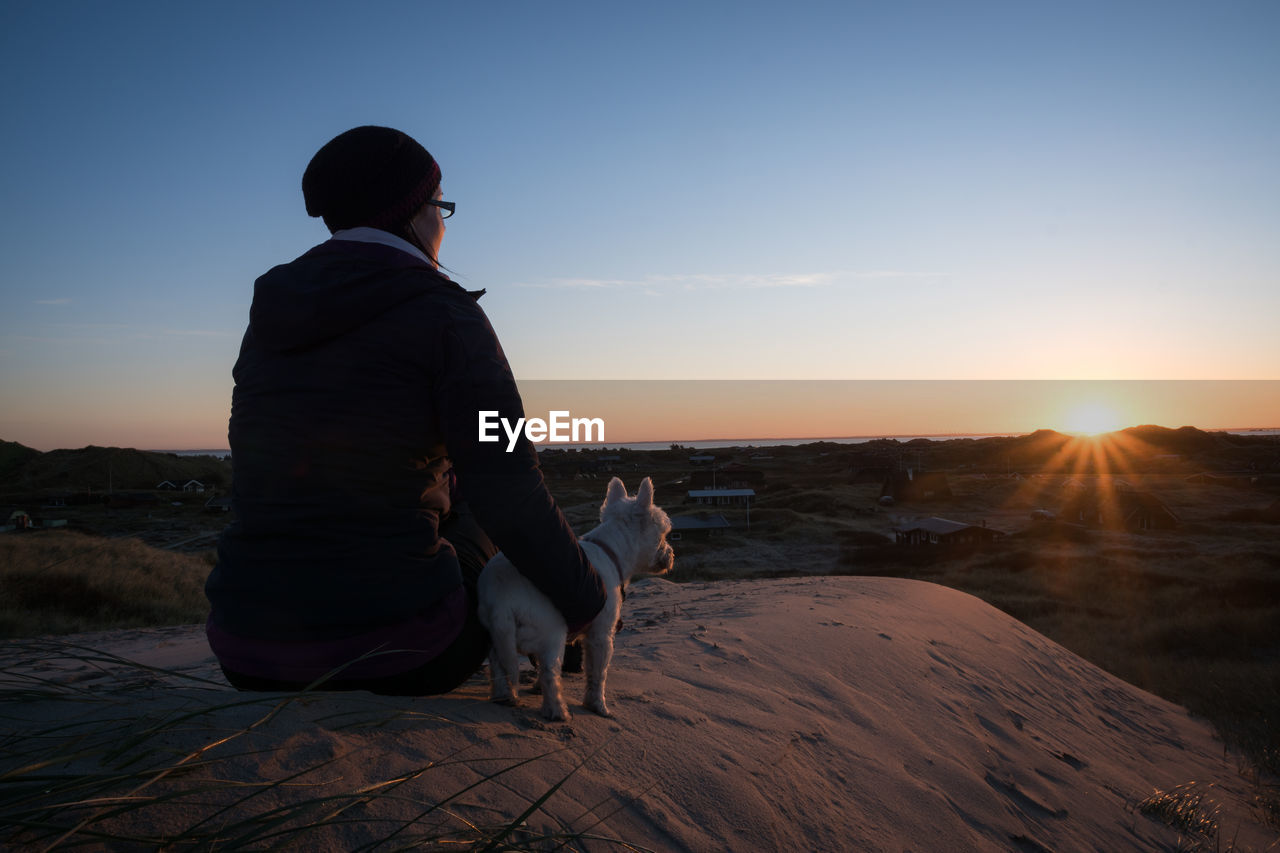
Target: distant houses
189	486
945	533
722	497
218	503
19	520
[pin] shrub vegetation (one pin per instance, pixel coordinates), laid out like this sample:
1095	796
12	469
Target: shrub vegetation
64	582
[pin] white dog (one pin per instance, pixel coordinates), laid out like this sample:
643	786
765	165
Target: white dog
631	537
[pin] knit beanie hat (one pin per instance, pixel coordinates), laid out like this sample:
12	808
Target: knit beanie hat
374	176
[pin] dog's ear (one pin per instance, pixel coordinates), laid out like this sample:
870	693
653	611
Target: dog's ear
617	492
644	497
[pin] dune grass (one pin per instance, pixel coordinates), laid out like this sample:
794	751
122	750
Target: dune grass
107	770
100	770
1183	808
65	582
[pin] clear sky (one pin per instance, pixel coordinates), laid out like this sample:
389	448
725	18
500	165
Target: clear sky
658	190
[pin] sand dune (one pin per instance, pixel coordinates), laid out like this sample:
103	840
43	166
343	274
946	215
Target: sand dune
799	714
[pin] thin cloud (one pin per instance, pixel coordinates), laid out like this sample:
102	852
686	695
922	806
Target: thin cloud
716	281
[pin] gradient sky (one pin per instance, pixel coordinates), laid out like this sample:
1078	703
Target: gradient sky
658	190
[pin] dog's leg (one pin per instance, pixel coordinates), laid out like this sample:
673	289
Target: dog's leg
598	646
550	659
499	685
504	665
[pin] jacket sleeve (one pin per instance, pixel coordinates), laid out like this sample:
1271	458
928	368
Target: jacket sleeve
506	490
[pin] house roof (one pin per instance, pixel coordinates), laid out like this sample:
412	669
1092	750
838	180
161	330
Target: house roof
722	493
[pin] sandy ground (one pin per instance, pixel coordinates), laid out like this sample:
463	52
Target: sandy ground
798	714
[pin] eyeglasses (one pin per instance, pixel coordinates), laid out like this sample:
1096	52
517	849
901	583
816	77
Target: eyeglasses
446	208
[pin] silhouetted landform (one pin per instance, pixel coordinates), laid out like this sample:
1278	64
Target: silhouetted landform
1154	449
1228	458
14	456
88	471
1141	448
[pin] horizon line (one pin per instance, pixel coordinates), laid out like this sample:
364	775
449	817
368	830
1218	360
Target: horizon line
818	438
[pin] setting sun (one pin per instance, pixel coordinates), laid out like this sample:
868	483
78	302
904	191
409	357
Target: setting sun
1092	418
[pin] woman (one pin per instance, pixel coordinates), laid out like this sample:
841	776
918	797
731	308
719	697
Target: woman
365	505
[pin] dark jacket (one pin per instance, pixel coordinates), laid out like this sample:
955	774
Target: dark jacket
357	389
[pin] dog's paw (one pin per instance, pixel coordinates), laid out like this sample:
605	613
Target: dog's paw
555	712
505	701
596	705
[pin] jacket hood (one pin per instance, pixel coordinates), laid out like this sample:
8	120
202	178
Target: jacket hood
336	287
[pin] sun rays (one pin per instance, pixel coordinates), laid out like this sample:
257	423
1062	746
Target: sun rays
1076	465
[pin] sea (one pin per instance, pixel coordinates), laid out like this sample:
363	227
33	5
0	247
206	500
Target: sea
706	444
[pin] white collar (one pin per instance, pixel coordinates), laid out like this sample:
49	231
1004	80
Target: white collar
365	234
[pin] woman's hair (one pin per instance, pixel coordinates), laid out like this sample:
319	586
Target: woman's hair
405	232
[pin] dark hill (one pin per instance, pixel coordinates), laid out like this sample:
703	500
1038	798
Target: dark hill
98	469
1135	448
1182	440
13	456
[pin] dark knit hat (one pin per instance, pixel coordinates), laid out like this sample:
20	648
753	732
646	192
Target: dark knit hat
374	176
